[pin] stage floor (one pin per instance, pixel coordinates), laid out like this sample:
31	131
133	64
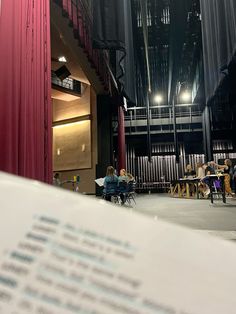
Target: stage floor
218	219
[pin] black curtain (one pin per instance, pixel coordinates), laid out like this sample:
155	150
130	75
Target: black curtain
112	30
219	40
108	24
178	16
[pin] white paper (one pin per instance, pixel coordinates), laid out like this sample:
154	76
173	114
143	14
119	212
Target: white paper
100	181
63	253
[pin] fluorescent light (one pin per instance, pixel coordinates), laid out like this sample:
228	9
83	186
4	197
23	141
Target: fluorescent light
69	124
158	99
186	96
62	59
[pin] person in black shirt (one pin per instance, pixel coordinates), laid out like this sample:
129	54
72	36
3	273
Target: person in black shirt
208	169
189	172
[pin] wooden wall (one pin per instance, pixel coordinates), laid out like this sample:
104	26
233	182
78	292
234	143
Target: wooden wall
75	144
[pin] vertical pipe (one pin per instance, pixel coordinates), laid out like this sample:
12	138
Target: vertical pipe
207	134
175	130
149	144
121	139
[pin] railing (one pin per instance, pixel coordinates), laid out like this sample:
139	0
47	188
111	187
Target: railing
143	116
79	14
68	83
149	187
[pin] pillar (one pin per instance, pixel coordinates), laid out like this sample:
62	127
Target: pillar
121	139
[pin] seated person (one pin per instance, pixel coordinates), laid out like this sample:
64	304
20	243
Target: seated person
123	175
130	177
189	172
110	183
207	167
202	171
123	184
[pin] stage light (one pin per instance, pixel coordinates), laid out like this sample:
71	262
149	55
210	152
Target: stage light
186	96
62	59
158	99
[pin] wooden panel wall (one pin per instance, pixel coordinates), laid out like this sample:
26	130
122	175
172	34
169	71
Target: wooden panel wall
72	146
72	139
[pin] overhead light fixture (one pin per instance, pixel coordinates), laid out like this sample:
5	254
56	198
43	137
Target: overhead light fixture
62	59
158	99
186	96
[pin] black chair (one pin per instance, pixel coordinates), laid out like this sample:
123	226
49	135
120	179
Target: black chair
111	192
130	195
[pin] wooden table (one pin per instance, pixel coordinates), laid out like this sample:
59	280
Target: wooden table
176	186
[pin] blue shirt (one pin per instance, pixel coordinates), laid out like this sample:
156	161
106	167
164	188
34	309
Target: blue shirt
110	184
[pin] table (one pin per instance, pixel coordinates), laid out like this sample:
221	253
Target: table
176	186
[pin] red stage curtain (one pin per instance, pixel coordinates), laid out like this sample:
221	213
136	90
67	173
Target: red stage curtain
25	83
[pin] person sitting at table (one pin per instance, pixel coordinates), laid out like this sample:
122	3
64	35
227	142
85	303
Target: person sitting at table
209	170
189	172
226	171
202	171
110	183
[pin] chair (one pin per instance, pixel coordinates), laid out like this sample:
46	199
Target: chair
217	188
130	195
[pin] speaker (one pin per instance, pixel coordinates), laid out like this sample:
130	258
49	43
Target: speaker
62	73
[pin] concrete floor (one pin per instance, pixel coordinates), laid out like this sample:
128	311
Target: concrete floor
218	219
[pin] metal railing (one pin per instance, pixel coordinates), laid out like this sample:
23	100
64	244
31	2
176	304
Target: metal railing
161	115
68	83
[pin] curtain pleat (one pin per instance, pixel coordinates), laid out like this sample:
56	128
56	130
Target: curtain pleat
219	40
25	102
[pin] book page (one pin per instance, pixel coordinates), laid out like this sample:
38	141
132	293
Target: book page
62	253
100	181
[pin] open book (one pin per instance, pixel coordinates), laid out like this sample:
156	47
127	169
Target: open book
100	181
63	253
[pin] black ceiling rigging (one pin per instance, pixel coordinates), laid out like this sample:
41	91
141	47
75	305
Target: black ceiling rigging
169	63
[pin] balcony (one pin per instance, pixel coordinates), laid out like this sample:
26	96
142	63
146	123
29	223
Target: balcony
68	86
72	19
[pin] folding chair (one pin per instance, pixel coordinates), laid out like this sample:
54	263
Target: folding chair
131	193
217	188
